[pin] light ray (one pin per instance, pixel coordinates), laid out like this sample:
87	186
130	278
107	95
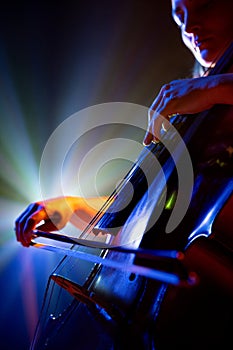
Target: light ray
18	164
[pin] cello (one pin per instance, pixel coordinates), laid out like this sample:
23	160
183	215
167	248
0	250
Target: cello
142	295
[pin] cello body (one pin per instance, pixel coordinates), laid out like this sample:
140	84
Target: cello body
92	306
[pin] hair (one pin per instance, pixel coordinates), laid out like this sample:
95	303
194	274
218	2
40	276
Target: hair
198	70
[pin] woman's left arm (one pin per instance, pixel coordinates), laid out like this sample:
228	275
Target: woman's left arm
187	96
224	90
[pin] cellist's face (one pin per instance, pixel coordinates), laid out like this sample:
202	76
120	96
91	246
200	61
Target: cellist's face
206	27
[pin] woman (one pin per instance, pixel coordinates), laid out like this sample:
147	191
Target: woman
206	28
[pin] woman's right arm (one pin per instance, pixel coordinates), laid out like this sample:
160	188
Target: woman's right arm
53	214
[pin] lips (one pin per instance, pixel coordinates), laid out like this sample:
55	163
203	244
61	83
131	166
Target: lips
200	41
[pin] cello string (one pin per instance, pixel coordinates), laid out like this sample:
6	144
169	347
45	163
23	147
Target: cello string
217	65
105	206
88	230
214	70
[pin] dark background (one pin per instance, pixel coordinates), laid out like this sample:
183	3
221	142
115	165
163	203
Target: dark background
56	59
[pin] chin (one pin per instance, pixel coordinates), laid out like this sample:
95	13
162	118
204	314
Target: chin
206	59
209	57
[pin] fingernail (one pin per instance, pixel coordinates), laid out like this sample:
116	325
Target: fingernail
147	142
147	139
